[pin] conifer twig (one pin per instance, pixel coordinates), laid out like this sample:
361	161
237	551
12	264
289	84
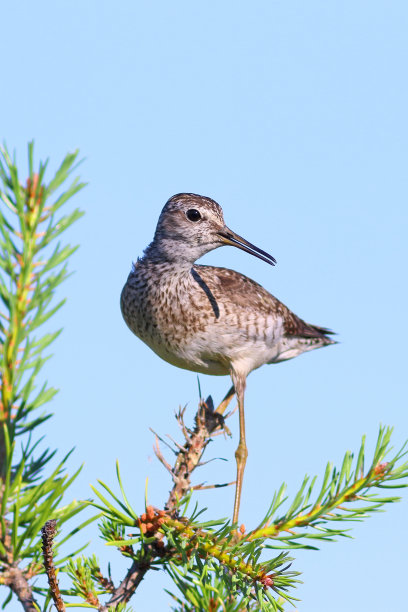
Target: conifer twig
15	578
33	264
207	421
48	533
200	554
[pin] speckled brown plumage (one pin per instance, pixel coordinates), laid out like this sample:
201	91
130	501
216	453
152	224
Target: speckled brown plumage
202	318
209	319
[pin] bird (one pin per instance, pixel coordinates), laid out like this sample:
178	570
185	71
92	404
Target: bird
207	319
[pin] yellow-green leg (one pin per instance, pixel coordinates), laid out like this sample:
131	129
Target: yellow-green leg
241	453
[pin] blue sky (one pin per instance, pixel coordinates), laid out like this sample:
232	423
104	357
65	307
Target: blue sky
292	115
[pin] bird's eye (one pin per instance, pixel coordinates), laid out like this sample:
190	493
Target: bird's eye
193	215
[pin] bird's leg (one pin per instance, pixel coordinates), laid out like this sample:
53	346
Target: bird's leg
241	453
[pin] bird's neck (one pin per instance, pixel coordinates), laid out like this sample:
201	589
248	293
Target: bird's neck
175	252
153	271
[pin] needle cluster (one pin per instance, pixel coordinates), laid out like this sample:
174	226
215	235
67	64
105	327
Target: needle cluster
216	566
33	264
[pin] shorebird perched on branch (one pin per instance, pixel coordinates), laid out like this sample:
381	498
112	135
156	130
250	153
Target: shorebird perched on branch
206	319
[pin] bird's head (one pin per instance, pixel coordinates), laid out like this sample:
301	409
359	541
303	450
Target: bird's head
191	225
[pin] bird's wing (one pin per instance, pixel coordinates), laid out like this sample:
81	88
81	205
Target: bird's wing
239	292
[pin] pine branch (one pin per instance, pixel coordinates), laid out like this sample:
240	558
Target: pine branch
83	579
31	269
13	577
336	502
17	580
211	557
48	533
188	457
128	586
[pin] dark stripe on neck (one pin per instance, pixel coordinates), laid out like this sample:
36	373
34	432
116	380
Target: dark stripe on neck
207	292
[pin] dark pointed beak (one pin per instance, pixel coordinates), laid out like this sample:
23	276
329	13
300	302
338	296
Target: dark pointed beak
229	237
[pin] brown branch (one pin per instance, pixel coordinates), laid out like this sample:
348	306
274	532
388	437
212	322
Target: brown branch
15	578
188	456
207	421
161	458
48	533
106	583
12	576
129	584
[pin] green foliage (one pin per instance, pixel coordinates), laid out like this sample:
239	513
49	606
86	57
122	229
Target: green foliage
33	263
215	567
32	269
344	496
208	587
